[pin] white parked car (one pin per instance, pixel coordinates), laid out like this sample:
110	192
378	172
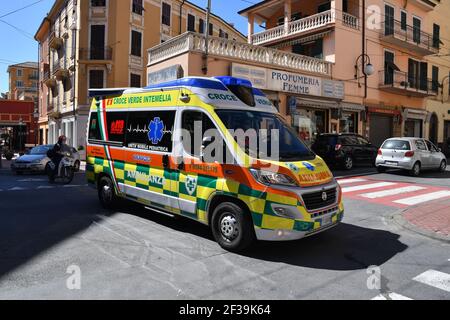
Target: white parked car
412	154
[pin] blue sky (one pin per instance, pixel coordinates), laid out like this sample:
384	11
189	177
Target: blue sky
19	46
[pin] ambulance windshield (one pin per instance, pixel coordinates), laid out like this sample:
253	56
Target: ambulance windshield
245	94
264	135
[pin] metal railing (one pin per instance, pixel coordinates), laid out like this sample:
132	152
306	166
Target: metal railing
408	82
410	34
295	27
221	47
100	53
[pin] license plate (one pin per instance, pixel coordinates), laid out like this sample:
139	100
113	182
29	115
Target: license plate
326	220
393	163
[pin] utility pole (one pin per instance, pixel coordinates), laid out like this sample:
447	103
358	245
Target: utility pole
205	56
363	40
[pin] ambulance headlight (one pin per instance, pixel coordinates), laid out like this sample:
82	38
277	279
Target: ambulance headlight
272	178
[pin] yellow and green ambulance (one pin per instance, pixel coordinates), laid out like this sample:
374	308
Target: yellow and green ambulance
140	148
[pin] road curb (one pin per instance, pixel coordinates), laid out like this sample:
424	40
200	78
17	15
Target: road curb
399	220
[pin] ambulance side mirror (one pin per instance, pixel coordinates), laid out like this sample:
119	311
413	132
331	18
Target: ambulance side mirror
205	142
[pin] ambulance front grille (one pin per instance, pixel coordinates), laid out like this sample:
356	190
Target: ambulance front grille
315	200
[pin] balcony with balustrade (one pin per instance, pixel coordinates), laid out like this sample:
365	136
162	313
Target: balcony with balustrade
60	69
399	82
226	49
290	19
55	41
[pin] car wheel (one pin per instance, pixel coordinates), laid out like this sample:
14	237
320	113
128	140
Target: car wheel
381	169
232	227
76	166
348	163
106	193
443	166
415	171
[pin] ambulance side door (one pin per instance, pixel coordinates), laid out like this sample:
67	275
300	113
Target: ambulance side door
197	180
149	145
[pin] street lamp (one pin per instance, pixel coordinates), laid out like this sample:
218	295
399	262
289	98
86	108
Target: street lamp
366	67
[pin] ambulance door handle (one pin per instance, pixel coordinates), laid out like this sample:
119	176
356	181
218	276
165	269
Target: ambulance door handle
181	166
165	161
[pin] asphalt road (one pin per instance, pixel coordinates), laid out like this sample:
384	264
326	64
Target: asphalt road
46	231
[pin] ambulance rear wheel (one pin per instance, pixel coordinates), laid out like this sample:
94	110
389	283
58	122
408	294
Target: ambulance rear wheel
106	193
232	227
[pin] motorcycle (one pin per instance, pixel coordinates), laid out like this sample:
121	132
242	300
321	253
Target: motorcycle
66	169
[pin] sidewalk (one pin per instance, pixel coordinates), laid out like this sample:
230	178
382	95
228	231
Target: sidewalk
431	220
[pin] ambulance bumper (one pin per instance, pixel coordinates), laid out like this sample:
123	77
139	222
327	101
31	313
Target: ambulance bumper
288	235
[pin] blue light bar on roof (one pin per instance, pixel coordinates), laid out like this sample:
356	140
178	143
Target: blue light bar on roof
232	81
190	82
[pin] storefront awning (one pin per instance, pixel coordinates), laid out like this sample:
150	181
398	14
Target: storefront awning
315	103
313	37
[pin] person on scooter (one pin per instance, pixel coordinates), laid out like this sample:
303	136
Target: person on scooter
59	151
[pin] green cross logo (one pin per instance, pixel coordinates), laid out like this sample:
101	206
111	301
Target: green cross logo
191	184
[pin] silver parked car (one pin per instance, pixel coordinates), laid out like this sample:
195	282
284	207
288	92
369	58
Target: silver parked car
36	160
412	154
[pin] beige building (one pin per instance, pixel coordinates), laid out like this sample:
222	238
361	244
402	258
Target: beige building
311	60
100	44
23	81
438	128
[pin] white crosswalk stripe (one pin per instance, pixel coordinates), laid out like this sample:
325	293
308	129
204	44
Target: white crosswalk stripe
435	279
424	198
368	186
391	296
353	180
392	192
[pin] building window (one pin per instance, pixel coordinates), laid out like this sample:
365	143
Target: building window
135	80
201	26
436	35
191	23
166	14
136	43
19	83
403	20
310	49
19	72
138	7
416	29
211	29
435	78
221	34
96	80
98	3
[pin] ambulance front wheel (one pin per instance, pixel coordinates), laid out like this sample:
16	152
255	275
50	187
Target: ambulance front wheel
232	227
106	193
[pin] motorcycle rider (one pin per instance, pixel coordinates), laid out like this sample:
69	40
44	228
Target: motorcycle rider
59	151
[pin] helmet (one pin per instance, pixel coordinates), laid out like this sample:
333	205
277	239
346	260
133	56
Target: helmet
62	138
